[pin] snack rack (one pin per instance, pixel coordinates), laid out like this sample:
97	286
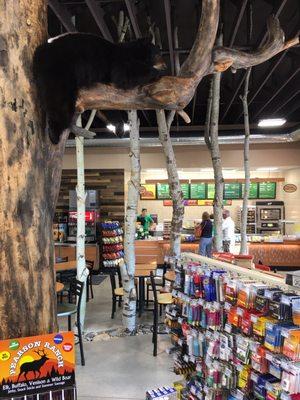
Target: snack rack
112	249
235	332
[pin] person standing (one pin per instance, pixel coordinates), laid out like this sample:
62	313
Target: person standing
228	228
146	221
205	245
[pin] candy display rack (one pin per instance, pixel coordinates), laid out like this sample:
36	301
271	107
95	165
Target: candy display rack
112	249
235	332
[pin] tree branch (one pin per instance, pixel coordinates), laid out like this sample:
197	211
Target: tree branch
175	92
82	132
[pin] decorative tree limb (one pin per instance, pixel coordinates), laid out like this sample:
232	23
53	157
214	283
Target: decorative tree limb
174	93
175	188
244	98
82	132
128	267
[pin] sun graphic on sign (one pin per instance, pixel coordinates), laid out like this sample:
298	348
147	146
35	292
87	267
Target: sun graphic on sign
25	359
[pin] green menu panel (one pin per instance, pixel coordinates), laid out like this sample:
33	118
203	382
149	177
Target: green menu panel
210	191
253	193
232	191
185	187
163	191
198	191
267	190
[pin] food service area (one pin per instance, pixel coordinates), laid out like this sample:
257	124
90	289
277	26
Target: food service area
150	239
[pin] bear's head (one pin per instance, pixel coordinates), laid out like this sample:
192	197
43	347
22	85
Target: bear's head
149	53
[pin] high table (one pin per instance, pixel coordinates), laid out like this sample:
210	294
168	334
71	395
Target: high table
143	271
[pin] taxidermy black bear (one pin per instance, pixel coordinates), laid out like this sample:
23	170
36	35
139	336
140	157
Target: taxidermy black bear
64	65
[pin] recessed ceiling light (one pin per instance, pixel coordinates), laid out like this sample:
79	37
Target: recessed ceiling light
267	169
126	127
270	122
111	128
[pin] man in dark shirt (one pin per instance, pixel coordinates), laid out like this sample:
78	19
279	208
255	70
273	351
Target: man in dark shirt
205	245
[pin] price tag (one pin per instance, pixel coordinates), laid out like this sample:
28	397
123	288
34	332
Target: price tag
227	372
268	294
228	328
269	386
174	313
269	325
285	300
227	306
285	396
186	358
239	367
180	342
180	320
240	311
254	318
192	359
285	333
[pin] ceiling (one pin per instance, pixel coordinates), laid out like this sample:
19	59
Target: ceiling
274	85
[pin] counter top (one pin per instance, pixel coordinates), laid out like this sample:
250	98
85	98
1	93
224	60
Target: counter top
66	244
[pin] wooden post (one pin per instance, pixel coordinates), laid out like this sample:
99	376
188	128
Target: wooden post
128	267
175	188
244	98
30	179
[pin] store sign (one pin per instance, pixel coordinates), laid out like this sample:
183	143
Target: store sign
190	203
148	192
290	188
37	364
90	216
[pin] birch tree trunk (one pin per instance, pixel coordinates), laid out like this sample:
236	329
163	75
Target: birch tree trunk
175	188
212	141
30	168
244	98
128	267
82	271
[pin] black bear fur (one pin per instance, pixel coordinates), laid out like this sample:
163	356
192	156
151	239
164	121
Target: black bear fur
64	65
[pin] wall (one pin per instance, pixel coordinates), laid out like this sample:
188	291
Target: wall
285	156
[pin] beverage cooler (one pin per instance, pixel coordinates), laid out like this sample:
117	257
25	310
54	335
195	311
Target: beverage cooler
92	216
269	216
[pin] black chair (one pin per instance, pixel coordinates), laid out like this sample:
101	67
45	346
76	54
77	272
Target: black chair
159	299
69	309
89	284
159	281
116	291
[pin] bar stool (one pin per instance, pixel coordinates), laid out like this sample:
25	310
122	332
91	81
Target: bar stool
89	286
116	291
159	299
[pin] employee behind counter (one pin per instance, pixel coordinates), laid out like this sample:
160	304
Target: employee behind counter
146	221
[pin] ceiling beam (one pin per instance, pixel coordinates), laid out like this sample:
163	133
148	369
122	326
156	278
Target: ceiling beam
277	92
169	32
278	12
98	15
63	15
133	19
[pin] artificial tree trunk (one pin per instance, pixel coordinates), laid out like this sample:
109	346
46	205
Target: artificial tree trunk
174	183
244	248
212	141
30	168
128	267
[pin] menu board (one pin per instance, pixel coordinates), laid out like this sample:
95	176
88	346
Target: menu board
163	191
232	190
253	191
267	190
210	191
185	187
198	191
148	192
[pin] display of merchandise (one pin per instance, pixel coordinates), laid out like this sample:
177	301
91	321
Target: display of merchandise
112	244
251	220
162	393
234	337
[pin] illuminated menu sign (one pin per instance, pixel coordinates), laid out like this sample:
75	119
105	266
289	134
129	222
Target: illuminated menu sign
185	187
198	191
232	191
163	191
210	191
267	190
253	192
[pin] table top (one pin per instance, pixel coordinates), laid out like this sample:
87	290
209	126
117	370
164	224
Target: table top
65	266
59	286
143	270
170	276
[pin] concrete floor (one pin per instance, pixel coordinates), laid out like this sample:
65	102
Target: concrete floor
120	368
